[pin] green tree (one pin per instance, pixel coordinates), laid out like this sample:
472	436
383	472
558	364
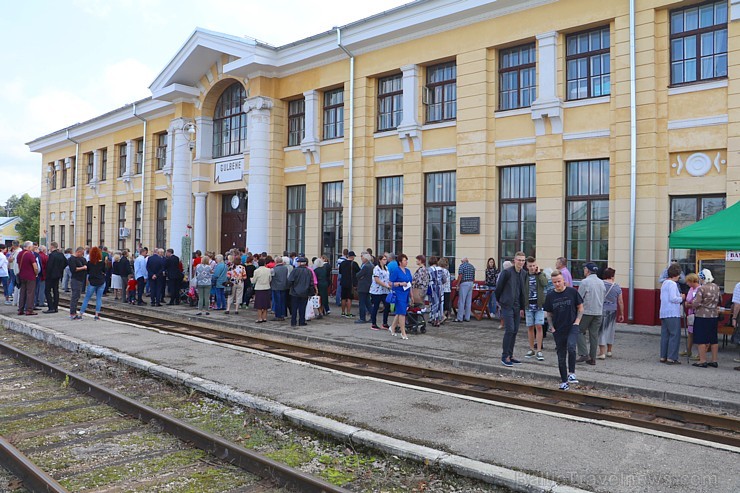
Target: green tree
29	210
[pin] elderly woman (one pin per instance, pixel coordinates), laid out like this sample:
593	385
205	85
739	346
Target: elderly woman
322	284
420	280
116	277
692	280
400	279
670	317
706	311
203	284
262	295
237	275
443	263
379	289
613	303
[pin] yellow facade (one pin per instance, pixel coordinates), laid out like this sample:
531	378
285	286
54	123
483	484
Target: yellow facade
674	122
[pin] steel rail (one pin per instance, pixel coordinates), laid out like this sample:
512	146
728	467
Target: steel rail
33	478
252	462
574	403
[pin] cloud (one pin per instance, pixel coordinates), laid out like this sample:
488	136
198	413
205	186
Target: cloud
123	82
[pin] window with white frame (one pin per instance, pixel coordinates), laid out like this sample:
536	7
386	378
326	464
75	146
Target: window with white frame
296	121
334	114
390	102
441	92
699	43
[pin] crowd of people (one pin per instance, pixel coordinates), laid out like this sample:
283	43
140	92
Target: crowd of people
582	321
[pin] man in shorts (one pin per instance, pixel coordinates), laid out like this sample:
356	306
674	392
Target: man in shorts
564	307
536	282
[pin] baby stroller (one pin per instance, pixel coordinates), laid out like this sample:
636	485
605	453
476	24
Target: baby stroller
416	319
189	296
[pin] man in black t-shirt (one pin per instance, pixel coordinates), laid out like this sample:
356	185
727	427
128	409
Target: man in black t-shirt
564	307
78	269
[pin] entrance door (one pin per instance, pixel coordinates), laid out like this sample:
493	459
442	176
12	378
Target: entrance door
233	220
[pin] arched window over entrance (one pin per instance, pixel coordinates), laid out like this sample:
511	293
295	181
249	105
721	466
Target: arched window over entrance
230	122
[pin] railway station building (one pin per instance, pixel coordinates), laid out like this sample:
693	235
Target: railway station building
473	128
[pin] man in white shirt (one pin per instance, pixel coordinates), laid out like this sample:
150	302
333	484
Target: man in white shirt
140	274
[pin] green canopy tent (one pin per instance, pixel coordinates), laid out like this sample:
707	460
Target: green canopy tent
720	231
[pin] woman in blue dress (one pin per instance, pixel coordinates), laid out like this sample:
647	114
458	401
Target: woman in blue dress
401	283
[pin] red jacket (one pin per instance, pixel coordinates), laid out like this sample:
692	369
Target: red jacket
44	258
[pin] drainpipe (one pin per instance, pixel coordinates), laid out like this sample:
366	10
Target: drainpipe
633	165
143	174
77	182
351	130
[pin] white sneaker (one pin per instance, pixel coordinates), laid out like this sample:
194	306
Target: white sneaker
572	378
564	386
529	354
539	356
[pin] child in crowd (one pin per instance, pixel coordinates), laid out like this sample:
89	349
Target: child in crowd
131	291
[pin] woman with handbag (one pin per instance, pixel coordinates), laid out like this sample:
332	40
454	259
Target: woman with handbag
322	284
220	279
420	280
236	275
692	280
262	292
401	283
613	303
203	284
379	289
706	306
95	282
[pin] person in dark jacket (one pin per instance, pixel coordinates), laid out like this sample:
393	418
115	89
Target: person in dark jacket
364	280
54	272
348	270
155	271
96	282
279	287
174	276
301	285
511	287
78	273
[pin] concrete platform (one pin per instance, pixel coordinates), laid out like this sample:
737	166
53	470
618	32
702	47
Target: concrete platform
530	451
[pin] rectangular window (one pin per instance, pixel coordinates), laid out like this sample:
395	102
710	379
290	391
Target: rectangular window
331	219
122	148
53	181
62	243
102	225
296	219
687	210
122	226
296	121
441	92
588	70
440	201
699	43
139	158
161	223
389	212
334	114
88	226
390	102
161	150
517	77
137	224
64	174
51	234
90	166
518	212
587	214
103	164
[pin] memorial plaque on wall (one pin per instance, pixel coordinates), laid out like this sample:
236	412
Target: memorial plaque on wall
470	225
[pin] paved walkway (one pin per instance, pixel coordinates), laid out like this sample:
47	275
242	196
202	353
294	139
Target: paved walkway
539	449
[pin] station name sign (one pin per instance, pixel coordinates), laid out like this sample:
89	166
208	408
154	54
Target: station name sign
226	171
732	256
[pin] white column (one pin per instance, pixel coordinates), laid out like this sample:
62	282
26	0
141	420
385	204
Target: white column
547	103
203	138
96	166
182	185
199	226
409	130
310	142
258	198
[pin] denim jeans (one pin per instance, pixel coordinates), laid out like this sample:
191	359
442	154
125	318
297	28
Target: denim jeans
12	284
220	299
279	296
98	291
492	304
66	278
377	299
5	281
670	337
511	318
566	341
365	305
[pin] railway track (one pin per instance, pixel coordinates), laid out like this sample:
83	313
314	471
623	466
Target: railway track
714	428
90	438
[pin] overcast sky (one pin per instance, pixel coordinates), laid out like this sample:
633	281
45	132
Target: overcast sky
65	61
